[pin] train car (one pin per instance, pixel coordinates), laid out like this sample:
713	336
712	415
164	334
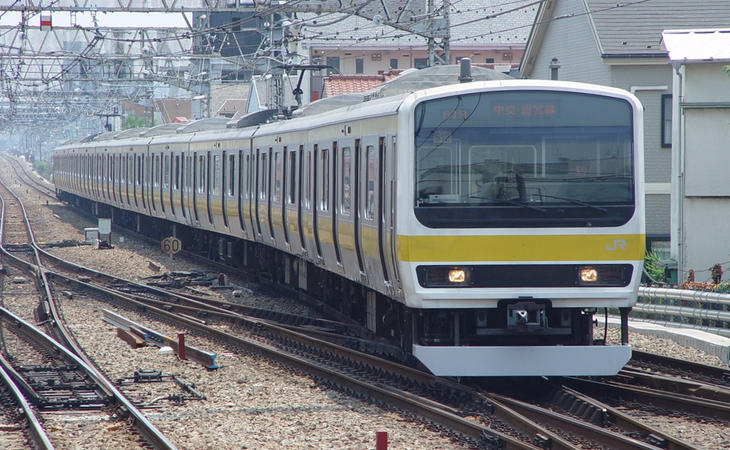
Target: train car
480	226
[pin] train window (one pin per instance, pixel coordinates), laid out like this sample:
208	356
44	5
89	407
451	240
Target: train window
138	178
277	177
324	201
264	175
129	168
243	175
370	179
346	176
166	171
308	183
231	174
216	171
188	172
292	178
176	177
201	173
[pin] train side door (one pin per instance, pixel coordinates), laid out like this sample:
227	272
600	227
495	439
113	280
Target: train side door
385	212
344	206
188	188
224	186
372	229
358	191
300	198
199	177
242	191
208	186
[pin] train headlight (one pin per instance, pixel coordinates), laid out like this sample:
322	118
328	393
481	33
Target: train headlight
444	276
588	275
457	276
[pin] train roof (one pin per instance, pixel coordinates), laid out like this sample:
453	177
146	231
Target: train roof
409	81
386	96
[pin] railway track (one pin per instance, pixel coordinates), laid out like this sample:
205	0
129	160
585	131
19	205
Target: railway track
75	383
20	425
21	171
486	419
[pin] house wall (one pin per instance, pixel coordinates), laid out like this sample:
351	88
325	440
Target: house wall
572	41
705	203
649	82
375	60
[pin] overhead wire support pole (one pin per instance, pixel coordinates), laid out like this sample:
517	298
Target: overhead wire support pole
438	26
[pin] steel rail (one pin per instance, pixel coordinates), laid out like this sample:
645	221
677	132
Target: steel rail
603	437
669	400
28	178
156	438
144	426
630	425
417	405
690	388
703	370
35	430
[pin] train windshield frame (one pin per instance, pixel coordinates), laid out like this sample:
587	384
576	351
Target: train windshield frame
527	158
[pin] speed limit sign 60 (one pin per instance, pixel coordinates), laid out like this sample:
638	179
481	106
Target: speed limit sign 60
171	245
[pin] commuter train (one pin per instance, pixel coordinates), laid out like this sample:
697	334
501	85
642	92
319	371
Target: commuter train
479	225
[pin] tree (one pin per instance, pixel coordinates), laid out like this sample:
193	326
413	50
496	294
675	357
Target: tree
132	121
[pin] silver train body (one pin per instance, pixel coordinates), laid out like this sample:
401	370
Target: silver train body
496	216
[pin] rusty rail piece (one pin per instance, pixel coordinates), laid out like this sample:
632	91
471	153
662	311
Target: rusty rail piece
35	431
207	359
663	399
595	433
627	423
697	371
690	388
154	435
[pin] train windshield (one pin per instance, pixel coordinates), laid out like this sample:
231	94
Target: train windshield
524	159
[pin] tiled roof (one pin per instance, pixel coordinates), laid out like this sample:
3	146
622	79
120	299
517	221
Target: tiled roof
350	84
636	28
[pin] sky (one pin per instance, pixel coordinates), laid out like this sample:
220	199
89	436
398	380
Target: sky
120	19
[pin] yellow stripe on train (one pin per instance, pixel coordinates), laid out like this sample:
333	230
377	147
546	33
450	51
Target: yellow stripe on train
600	247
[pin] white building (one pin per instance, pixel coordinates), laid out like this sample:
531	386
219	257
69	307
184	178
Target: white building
700	206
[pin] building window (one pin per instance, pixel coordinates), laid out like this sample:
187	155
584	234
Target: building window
393	63
334	65
359	65
489	60
666	120
420	63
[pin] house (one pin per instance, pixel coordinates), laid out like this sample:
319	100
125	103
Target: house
700	144
620	44
492	33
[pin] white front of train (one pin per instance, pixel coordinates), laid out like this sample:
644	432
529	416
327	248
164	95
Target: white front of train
520	214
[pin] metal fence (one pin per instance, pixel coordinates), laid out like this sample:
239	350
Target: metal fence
708	311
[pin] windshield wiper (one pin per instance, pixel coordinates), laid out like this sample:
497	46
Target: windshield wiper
576	202
510	202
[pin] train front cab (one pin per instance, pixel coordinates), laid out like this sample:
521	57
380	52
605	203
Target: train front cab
524	216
